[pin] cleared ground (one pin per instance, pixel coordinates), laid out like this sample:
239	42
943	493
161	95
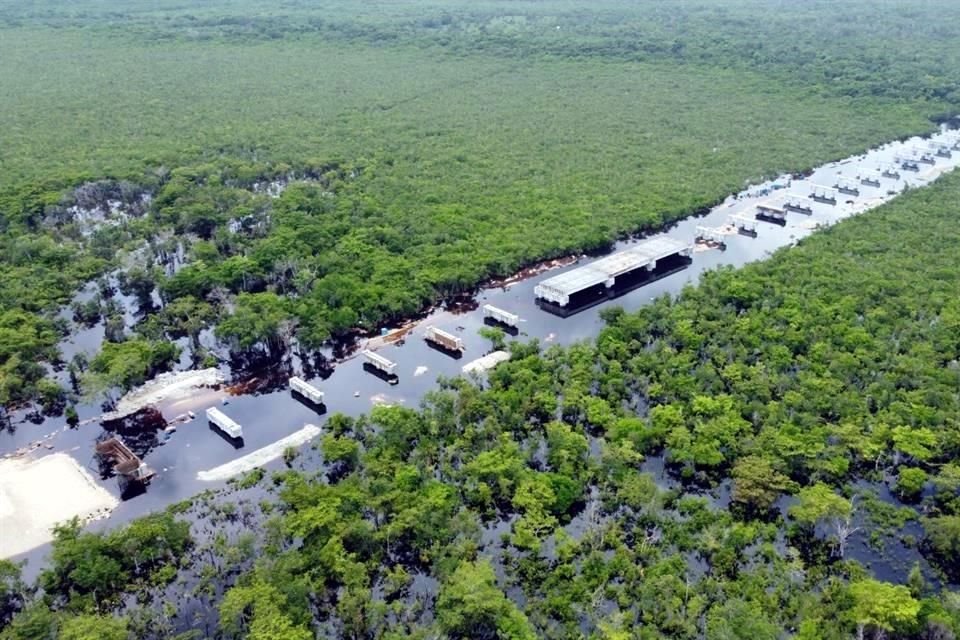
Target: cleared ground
37	494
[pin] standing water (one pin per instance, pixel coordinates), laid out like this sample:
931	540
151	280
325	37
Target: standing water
191	458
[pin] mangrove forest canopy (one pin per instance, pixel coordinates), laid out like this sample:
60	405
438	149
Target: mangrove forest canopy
770	454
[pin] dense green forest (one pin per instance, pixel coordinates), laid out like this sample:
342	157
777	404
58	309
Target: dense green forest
782	398
416	148
739	462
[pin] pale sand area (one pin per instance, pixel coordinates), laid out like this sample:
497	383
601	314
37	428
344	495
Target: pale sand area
37	494
260	457
165	387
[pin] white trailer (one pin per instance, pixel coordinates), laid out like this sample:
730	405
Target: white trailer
305	389
379	362
501	316
223	422
444	339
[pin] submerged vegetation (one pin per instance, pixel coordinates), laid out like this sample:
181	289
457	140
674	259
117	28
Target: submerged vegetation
733	463
341	167
781	398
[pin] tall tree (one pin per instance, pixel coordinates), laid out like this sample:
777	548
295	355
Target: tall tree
818	505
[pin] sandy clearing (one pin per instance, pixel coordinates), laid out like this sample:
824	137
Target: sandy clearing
37	494
259	457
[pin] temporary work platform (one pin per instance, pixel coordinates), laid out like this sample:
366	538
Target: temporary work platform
847	186
772	209
444	339
907	162
223	422
710	235
125	462
941	149
379	362
644	255
501	316
869	177
307	390
798	203
924	156
743	222
824	194
890	171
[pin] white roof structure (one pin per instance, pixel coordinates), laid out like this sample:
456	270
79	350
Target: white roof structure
559	288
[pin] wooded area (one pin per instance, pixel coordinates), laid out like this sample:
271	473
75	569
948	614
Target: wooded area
755	459
415	150
800	388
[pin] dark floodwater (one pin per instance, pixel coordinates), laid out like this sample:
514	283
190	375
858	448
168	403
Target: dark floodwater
271	413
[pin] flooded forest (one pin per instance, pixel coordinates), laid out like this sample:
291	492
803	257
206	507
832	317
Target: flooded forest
507	319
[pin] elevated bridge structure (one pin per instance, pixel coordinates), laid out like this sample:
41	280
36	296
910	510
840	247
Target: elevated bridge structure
605	271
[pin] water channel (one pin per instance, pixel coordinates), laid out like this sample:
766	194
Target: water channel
268	412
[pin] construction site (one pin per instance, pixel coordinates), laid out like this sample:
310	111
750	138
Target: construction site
208	431
605	271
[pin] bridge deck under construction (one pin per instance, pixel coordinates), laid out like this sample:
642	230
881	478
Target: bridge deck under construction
559	288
